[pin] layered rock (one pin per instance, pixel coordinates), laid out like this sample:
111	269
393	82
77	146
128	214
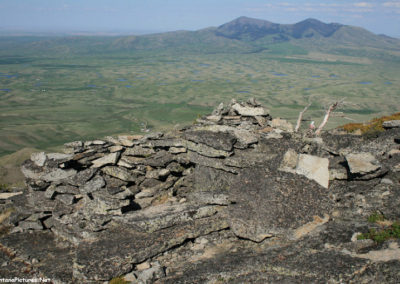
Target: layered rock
216	200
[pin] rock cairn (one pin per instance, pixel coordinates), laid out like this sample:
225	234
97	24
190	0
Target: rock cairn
77	193
236	184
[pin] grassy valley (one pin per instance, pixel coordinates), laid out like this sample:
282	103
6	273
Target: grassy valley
55	90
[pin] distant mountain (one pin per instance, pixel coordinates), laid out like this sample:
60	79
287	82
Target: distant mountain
253	29
242	35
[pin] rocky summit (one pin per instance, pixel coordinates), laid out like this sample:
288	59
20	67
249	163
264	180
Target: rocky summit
237	197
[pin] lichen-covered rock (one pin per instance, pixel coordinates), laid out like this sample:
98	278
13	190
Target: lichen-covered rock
58	175
163	216
220	141
272	206
282	124
139	151
312	167
249	110
121	173
362	163
93	185
110	159
391	124
39	158
116	249
228	199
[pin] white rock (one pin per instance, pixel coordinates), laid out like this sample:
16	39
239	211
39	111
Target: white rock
249	111
314	168
391	124
39	158
117	148
109	159
6	195
214	118
282	124
143	266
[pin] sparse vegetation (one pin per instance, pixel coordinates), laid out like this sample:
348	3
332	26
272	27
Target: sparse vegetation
375	217
4	187
388	230
99	86
371	128
384	234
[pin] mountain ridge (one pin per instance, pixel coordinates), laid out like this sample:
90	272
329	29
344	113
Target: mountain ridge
257	28
241	35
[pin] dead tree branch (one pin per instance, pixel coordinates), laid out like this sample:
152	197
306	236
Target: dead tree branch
328	113
301	118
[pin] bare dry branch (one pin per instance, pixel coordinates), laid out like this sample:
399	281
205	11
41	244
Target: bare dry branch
301	118
328	113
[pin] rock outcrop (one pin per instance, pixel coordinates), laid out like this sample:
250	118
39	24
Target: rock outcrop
235	198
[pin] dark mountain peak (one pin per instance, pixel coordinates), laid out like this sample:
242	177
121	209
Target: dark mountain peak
246	21
307	28
249	21
311	21
247	28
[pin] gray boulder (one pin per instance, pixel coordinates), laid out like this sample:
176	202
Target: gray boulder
362	163
266	207
56	175
39	159
249	110
391	124
121	173
93	185
220	141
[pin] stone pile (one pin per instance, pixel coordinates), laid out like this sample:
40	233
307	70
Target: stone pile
78	193
218	196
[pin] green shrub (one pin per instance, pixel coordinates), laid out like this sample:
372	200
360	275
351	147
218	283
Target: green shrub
4	187
385	233
379	236
375	217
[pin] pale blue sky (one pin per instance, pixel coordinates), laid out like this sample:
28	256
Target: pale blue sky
167	15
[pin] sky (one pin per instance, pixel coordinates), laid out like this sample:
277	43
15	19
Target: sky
147	16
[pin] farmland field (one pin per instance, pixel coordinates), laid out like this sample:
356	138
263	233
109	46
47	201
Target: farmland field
49	100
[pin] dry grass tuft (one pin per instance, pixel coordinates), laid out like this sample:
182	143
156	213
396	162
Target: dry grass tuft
370	128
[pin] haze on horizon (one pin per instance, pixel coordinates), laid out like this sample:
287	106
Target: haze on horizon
136	16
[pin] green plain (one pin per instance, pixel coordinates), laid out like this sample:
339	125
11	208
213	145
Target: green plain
47	100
